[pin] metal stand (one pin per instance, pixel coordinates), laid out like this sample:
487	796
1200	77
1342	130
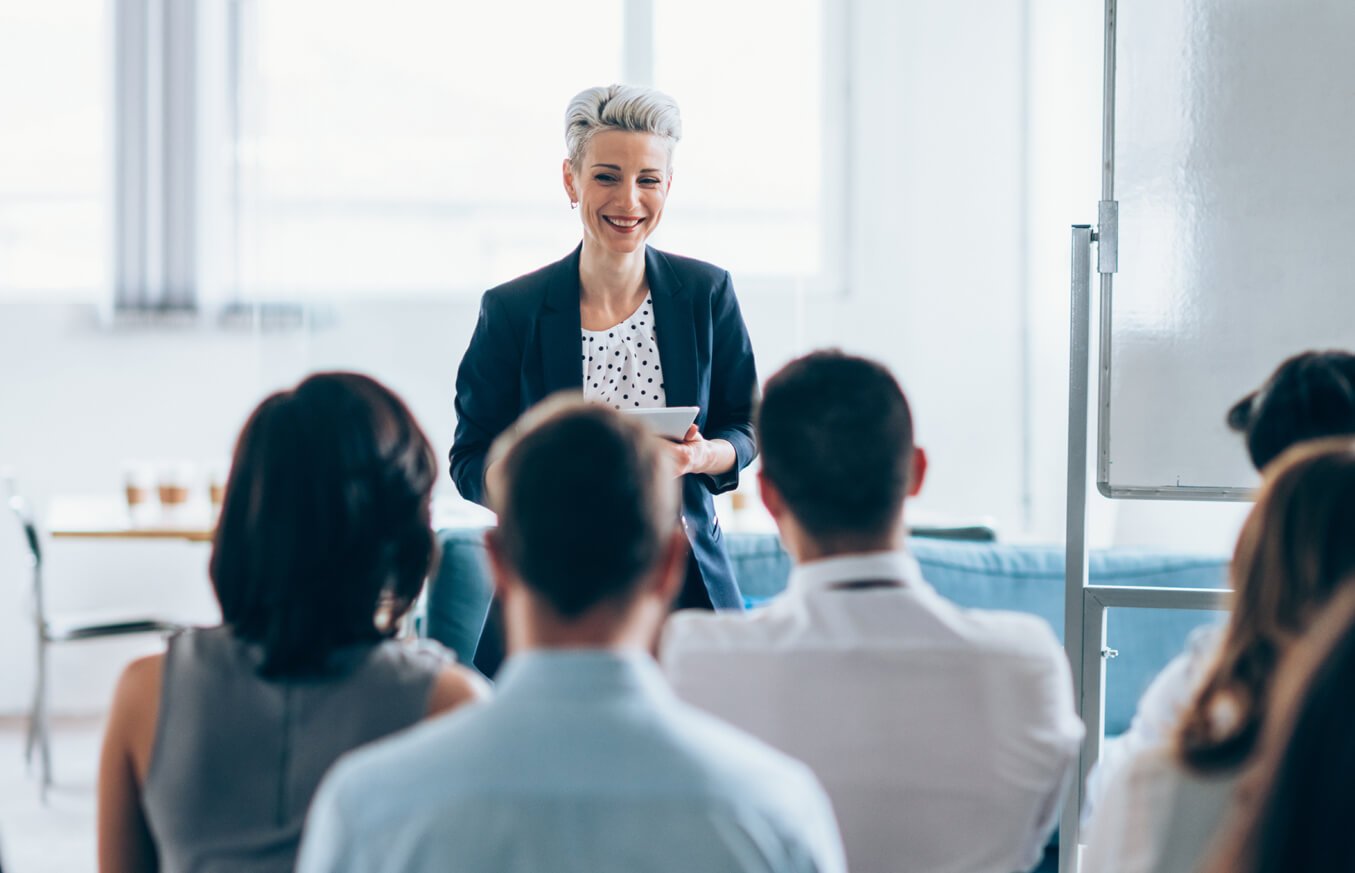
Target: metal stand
1084	616
1075	566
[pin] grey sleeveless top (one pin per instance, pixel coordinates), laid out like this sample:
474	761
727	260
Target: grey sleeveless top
237	758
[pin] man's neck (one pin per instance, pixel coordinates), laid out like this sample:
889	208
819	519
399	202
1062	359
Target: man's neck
533	628
804	548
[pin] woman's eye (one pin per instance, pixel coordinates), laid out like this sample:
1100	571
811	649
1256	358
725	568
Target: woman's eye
605	177
649	180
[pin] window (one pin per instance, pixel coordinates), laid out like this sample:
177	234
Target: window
748	189
55	150
302	150
418	151
409	151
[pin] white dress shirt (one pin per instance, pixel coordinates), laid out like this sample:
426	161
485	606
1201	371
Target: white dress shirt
944	736
1158	714
1156	817
584	762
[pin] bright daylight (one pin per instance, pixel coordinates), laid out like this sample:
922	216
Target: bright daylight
631	436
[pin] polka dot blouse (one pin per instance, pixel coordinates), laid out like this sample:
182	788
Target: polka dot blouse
621	364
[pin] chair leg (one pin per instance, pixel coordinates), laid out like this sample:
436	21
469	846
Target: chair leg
39	731
31	739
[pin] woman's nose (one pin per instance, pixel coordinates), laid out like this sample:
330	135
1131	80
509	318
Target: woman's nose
630	194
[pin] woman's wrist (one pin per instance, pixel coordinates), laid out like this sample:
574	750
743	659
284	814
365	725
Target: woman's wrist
720	457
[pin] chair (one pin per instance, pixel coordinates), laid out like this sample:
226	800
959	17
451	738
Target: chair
49	630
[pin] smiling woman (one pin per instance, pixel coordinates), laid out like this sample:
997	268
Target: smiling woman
650	329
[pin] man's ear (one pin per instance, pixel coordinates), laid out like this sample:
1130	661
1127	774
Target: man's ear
503	578
771	498
672	567
918	472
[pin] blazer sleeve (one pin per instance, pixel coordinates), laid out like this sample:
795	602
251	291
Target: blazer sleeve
487	399
733	386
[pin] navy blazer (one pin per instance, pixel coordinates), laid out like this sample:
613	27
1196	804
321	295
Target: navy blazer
526	347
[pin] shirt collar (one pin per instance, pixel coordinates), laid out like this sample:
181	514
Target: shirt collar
823	574
580	674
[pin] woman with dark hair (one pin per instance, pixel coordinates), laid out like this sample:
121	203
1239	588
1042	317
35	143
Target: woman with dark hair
1309	396
1294	810
213	749
1161	809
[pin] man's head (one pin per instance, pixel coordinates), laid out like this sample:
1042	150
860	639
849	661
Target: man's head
588	550
838	458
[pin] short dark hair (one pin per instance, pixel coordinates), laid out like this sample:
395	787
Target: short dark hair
836	437
586	502
1310	395
325	521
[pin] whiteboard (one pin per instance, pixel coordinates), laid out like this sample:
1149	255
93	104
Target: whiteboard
1234	168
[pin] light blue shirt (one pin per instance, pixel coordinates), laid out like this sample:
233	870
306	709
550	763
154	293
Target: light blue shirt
585	761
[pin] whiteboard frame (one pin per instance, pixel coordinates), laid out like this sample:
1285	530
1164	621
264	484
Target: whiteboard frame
1085	605
1107	238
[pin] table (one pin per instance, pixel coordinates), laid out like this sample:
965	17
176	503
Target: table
109	517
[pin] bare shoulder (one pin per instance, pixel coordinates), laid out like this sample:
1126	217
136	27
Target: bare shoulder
135	712
139	685
453	686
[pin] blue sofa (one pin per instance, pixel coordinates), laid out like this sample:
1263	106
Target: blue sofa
985	575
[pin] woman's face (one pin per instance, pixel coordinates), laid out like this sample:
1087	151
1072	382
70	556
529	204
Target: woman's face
621	185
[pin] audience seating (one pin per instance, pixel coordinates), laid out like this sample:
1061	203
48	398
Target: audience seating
986	575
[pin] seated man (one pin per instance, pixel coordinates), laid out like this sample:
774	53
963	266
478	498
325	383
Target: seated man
945	736
586	760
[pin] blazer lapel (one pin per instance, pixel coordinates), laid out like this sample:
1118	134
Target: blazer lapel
675	330
560	326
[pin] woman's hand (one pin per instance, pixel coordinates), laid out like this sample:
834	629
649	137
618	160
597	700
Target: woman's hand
696	454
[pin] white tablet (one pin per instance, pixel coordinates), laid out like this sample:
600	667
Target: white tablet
670	422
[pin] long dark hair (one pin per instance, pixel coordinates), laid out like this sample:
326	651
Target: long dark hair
1296	549
1294	809
324	538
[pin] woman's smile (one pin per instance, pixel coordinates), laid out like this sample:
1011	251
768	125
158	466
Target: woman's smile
623	224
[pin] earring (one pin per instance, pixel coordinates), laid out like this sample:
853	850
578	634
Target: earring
573	204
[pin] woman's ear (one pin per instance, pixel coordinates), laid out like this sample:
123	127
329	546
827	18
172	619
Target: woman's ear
567	176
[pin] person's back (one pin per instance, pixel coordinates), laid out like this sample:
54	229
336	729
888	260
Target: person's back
944	736
238	757
1161	817
214	749
586	761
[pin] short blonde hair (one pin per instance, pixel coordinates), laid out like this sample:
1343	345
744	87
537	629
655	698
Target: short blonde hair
620	107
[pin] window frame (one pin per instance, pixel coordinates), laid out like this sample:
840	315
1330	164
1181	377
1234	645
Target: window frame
177	90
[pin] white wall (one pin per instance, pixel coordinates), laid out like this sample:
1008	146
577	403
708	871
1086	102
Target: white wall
974	148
